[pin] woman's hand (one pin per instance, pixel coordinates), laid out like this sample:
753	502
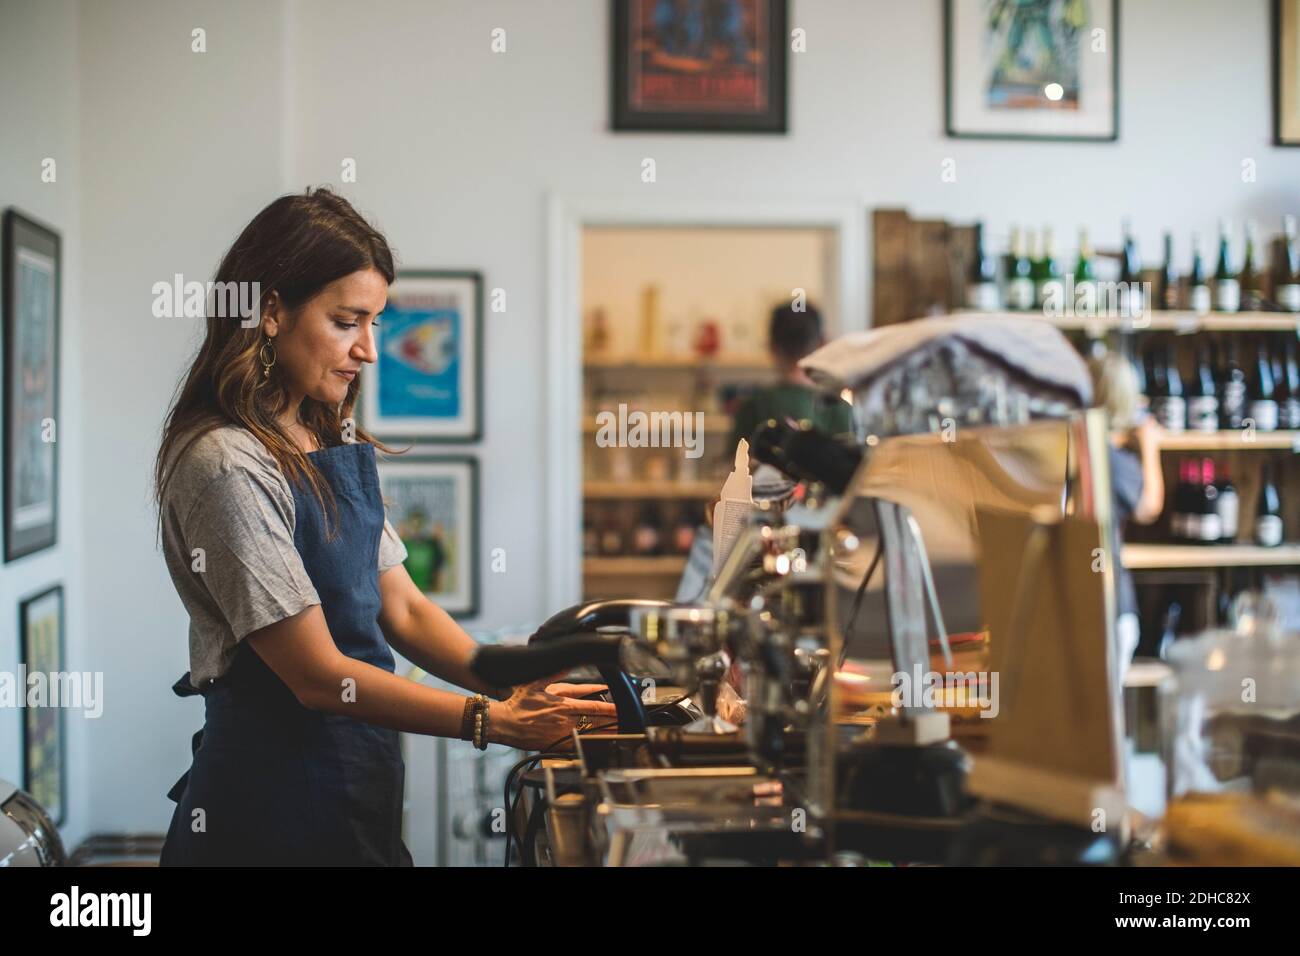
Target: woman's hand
543	714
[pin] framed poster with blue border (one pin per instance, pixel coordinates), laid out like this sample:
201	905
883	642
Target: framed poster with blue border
427	383
40	629
432	502
32	274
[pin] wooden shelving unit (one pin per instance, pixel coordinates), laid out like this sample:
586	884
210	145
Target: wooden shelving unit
712	423
671	564
603	490
1138	557
744	363
1231	441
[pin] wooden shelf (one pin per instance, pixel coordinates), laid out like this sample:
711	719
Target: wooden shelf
681	362
1149	556
1183	322
712	423
652	489
665	564
1230	441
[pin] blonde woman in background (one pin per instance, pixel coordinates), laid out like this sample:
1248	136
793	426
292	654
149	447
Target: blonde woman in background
1137	482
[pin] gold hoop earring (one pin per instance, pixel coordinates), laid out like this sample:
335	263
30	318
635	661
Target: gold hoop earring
266	363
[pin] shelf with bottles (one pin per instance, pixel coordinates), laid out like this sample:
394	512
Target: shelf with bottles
1230	440
1224	517
1257	289
1180	321
616	534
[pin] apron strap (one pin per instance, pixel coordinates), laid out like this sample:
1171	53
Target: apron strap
184	688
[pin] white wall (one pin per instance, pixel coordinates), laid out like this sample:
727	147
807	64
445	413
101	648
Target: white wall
179	149
39	120
457	149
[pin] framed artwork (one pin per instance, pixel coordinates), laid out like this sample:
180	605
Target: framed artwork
427	384
433	504
1032	69
31	385
40	629
1286	72
700	66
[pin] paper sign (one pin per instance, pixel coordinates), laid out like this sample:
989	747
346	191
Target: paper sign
731	513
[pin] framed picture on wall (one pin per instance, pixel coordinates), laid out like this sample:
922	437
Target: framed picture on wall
712	66
31	385
40	630
433	504
1286	72
427	384
1032	69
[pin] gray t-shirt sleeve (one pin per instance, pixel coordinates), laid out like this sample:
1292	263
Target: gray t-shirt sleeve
391	550
243	521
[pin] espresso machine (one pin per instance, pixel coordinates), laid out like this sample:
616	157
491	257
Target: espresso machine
958	425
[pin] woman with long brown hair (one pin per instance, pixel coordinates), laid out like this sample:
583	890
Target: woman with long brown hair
274	532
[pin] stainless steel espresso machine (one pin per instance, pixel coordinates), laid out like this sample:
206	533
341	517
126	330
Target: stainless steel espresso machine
842	615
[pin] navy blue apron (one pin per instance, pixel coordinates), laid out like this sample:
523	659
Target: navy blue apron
278	784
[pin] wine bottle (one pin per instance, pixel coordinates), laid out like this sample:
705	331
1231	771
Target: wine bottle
1229	507
1227	290
1169	276
1169	629
982	279
1132	301
1289	405
1051	292
1167	402
1020	275
1263	405
1248	283
646	535
1189	508
1198	293
1085	278
611	536
1178	503
1209	525
1232	391
1287	287
1268	512
1203	395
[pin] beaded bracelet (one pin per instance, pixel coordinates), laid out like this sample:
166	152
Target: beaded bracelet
481	722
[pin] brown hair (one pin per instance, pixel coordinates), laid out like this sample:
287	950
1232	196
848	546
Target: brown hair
293	248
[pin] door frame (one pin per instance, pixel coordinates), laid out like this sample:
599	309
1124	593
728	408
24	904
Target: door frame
566	217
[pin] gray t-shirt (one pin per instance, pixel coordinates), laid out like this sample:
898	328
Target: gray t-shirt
227	496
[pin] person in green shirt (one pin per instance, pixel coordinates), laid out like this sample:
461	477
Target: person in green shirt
792	335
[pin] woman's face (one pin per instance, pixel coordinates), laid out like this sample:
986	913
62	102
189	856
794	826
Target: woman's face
320	350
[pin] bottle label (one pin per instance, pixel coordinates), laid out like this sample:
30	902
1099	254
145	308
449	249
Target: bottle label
1203	413
1264	414
1210	527
982	296
1199	299
1192	526
1234	403
1131	302
1268	530
1288	297
1020	294
1227	295
1228	508
1170	412
1289	415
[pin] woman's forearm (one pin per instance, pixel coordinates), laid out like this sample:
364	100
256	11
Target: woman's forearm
434	641
375	696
